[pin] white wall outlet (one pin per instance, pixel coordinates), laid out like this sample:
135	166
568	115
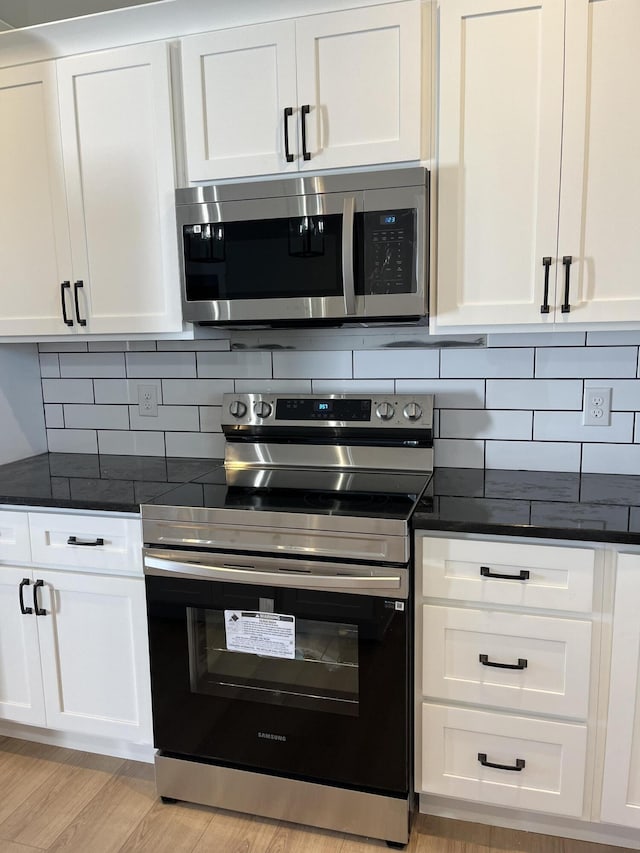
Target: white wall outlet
148	401
597	407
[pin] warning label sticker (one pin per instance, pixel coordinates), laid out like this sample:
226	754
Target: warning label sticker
258	633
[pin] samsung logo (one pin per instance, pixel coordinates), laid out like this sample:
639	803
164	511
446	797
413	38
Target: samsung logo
269	736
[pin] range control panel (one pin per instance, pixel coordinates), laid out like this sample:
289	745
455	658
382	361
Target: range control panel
391	411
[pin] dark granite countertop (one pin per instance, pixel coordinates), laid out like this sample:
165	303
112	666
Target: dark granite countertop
590	507
91	481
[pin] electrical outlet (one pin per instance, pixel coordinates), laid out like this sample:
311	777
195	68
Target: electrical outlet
597	407
148	401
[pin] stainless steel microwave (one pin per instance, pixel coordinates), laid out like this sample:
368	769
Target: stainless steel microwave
335	249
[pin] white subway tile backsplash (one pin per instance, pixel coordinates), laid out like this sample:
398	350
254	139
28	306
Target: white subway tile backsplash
534	394
53	416
586	362
95	417
49	364
455	453
625	393
122	346
64	346
123	391
396	364
178	418
191	392
353	386
449	393
568	426
636	431
613	339
195	444
72	440
273	386
161	364
131	443
210	418
611	459
221	345
537	339
67	390
483	423
322	364
234	365
92	364
507	363
533	455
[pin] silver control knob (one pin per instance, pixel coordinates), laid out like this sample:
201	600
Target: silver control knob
412	411
262	409
385	411
238	409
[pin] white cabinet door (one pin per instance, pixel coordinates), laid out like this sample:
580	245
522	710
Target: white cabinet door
359	73
95	660
115	114
21	697
600	162
501	81
34	234
621	786
237	85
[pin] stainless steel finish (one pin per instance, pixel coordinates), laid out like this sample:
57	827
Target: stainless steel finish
271	571
237	408
336	456
262	409
348	281
277	533
412	411
279	798
385	411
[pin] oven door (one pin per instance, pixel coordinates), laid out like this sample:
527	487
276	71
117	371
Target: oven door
271	673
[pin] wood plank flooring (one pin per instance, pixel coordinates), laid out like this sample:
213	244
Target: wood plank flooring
57	799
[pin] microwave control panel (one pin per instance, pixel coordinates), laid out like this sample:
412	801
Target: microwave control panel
389	252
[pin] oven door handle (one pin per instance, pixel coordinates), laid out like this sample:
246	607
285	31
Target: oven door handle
294	579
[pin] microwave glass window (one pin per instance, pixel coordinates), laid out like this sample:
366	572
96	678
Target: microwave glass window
389	252
323	675
264	259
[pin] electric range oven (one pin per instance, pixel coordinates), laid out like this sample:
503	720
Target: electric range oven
280	614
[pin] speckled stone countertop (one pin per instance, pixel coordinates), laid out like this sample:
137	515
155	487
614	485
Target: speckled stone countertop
590	507
91	481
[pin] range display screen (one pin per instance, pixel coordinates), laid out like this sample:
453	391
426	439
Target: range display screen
300	409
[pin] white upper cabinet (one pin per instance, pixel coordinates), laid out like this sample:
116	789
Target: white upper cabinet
335	90
87	213
539	174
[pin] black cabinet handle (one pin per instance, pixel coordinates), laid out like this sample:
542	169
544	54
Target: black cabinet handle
65	285
73	540
304	110
523	574
288	112
567	260
24	610
39	610
77	285
519	765
544	308
484	660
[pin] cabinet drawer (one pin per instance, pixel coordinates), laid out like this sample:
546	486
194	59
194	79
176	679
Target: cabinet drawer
545	576
553	656
61	541
551	779
14	537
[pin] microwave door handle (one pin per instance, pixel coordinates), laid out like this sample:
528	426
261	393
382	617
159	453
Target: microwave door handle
348	283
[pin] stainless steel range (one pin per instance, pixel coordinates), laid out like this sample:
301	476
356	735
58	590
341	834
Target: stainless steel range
279	603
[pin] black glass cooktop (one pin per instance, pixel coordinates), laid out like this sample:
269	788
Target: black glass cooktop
362	494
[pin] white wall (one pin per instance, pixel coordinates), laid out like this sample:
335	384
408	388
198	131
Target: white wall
22	430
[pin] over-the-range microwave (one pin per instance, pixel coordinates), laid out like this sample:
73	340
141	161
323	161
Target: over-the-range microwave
333	249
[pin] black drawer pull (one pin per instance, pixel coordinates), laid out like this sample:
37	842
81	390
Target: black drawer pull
305	109
73	540
523	574
78	285
519	765
566	307
65	285
39	610
544	308
288	112
24	610
484	660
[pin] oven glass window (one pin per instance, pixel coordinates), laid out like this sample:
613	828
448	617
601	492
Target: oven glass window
323	675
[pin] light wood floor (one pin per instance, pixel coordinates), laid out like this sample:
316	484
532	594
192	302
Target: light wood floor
59	800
